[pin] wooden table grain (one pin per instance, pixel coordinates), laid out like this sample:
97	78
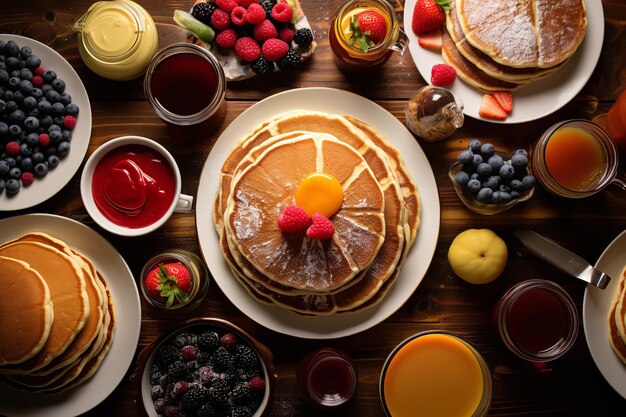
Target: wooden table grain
571	386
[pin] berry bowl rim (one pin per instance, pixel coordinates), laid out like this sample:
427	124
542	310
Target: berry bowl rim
141	376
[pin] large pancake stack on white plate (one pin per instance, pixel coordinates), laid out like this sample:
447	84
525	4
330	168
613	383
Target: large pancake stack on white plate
374	228
56	315
507	44
616	319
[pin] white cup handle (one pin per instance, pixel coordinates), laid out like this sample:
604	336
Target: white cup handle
184	204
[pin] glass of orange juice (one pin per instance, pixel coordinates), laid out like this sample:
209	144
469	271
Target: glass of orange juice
435	374
576	159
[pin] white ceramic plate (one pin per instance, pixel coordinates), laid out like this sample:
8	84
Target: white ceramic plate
537	100
595	309
331	101
44	188
127	311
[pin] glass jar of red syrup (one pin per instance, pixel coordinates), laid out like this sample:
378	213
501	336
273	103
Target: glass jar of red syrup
349	57
537	320
326	378
185	84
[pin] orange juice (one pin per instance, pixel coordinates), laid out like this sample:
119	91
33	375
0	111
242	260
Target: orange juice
435	375
575	158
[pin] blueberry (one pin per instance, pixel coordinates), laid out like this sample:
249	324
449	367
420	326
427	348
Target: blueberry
55	135
496	197
29	103
51	150
4	129
58	85
25	52
505	188
36	93
12	186
46	87
484	170
12	63
496	162
53	161
54	126
15	73
469	168
474	176
3	106
474	146
1	185
4	168
519	161
484	195
18	97
38	157
14	82
4	77
477	160
11	48
71	109
492	182
45	121
506	172
461	178
529	182
49	76
65	99
33	61
522	152
517	185
58	109
17	116
3	45
26	86
8	95
26	149
53	96
31	123
11	106
515	195
15	172
26	74
27	164
487	150
32	138
66	135
63	148
15	130
44	106
473	186
41	168
11	162
464	157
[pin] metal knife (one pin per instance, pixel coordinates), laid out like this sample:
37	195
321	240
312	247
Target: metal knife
562	258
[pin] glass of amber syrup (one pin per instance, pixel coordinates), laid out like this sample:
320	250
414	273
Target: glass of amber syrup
348	55
576	159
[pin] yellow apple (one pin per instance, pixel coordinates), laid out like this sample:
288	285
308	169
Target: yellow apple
478	255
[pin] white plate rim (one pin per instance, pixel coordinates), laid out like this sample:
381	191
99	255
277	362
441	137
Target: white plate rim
541	98
44	188
596	303
418	261
127	307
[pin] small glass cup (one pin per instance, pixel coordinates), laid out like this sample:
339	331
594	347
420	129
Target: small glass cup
351	58
539	296
608	165
198	273
433	113
215	107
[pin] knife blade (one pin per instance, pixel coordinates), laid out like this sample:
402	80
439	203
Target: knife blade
562	258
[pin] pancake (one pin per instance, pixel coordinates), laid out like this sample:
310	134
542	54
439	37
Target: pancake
26	313
260	191
617	343
524	33
620	311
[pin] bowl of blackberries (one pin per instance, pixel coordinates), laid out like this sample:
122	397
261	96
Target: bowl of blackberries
207	367
490	182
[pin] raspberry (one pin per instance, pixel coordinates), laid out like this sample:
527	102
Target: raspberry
238	16
321	228
274	49
291	60
248	3
442	75
282	12
226	38
294	218
188	353
257	384
27	178
226	5
304	37
37	81
12	148
228	340
247	48
220	20
261	66
181	387
38	71
69	122
44	139
264	31
287	35
256	14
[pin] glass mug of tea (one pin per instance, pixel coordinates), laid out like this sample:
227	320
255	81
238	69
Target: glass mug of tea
576	159
349	51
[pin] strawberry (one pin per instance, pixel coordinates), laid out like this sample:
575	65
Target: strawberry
321	228
442	75
368	29
431	40
505	99
491	109
429	15
169	282
294	218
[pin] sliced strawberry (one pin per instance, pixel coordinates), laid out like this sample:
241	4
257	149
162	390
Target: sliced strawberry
431	40
505	99
491	109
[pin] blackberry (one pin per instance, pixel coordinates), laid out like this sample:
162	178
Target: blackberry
303	37
268	5
223	359
230	378
244	30
191	366
181	339
203	12
241	394
156	391
242	375
159	405
246	357
208	341
262	66
207	410
177	370
291	60
203	358
155	377
218	392
194	398
241	411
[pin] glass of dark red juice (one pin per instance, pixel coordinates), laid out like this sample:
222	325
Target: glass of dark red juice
185	84
537	320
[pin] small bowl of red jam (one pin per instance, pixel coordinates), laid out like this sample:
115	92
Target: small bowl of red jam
131	185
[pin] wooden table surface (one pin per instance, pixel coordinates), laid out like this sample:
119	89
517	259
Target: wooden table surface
570	386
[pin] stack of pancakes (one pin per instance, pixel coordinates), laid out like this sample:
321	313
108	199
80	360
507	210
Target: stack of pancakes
617	319
56	315
374	228
507	44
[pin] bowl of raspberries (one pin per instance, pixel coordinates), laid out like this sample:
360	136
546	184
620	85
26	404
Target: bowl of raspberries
251	37
207	367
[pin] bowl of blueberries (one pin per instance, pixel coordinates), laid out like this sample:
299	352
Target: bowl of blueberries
490	182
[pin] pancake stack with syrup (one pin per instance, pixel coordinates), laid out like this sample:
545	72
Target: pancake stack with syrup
616	319
374	227
56	315
508	44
